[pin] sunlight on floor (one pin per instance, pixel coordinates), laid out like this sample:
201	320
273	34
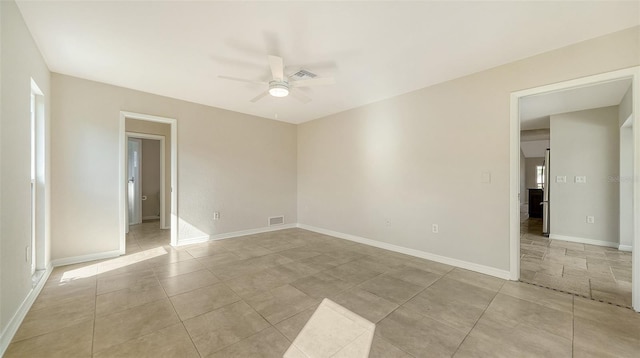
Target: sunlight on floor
114	264
333	331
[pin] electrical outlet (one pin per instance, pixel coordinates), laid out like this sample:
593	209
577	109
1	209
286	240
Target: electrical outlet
216	215
580	179
591	219
561	179
27	253
434	228
387	223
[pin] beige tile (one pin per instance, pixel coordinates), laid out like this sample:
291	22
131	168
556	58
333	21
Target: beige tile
206	249
203	300
577	262
220	258
622	274
251	284
606	329
248	251
72	341
545	267
567	245
172	256
56	317
353	272
319	262
290	327
291	271
56	293
514	312
381	348
125	280
365	304
419	335
616	292
218	329
268	343
177	268
117	328
280	303
145	292
489	339
188	282
548	298
476	279
573	284
414	275
300	253
321	285
172	341
455	303
391	289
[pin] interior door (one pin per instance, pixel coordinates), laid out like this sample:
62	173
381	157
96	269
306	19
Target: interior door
134	189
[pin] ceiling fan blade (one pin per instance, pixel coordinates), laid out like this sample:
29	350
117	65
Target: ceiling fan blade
299	96
259	97
242	80
321	81
277	67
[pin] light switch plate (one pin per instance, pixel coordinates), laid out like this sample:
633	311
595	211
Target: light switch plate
561	179
486	177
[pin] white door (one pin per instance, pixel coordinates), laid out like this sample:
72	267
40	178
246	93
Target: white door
134	195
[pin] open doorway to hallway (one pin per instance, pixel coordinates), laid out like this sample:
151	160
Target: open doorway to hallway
576	221
148	191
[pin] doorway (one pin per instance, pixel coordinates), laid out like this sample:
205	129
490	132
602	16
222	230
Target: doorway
518	196
157	207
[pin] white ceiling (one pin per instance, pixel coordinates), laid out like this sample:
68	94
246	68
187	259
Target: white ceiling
375	50
534	149
535	110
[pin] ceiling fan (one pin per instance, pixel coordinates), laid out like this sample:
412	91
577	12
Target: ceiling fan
281	85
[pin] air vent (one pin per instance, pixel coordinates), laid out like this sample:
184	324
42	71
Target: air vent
276	220
303	75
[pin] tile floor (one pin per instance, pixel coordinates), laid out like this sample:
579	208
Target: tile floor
596	272
251	296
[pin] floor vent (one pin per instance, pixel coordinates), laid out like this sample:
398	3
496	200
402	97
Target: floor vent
276	220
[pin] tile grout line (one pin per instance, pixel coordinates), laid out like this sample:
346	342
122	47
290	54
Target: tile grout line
177	315
478	320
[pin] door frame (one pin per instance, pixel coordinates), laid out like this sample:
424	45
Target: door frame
122	187
632	73
160	138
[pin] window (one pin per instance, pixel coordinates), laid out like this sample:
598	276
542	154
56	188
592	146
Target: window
539	176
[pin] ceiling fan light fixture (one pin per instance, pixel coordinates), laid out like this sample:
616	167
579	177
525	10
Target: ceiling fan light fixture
278	88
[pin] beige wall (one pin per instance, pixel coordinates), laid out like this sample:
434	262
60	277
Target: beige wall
150	178
585	143
240	165
161	129
417	159
20	61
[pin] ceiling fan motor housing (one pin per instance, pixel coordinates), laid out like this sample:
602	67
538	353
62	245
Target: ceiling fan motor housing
278	88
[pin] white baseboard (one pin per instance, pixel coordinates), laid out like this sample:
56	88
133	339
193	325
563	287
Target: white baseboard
86	258
625	247
153	217
582	240
18	317
229	235
487	270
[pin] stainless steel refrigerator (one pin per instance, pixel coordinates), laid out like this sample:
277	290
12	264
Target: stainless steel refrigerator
546	172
